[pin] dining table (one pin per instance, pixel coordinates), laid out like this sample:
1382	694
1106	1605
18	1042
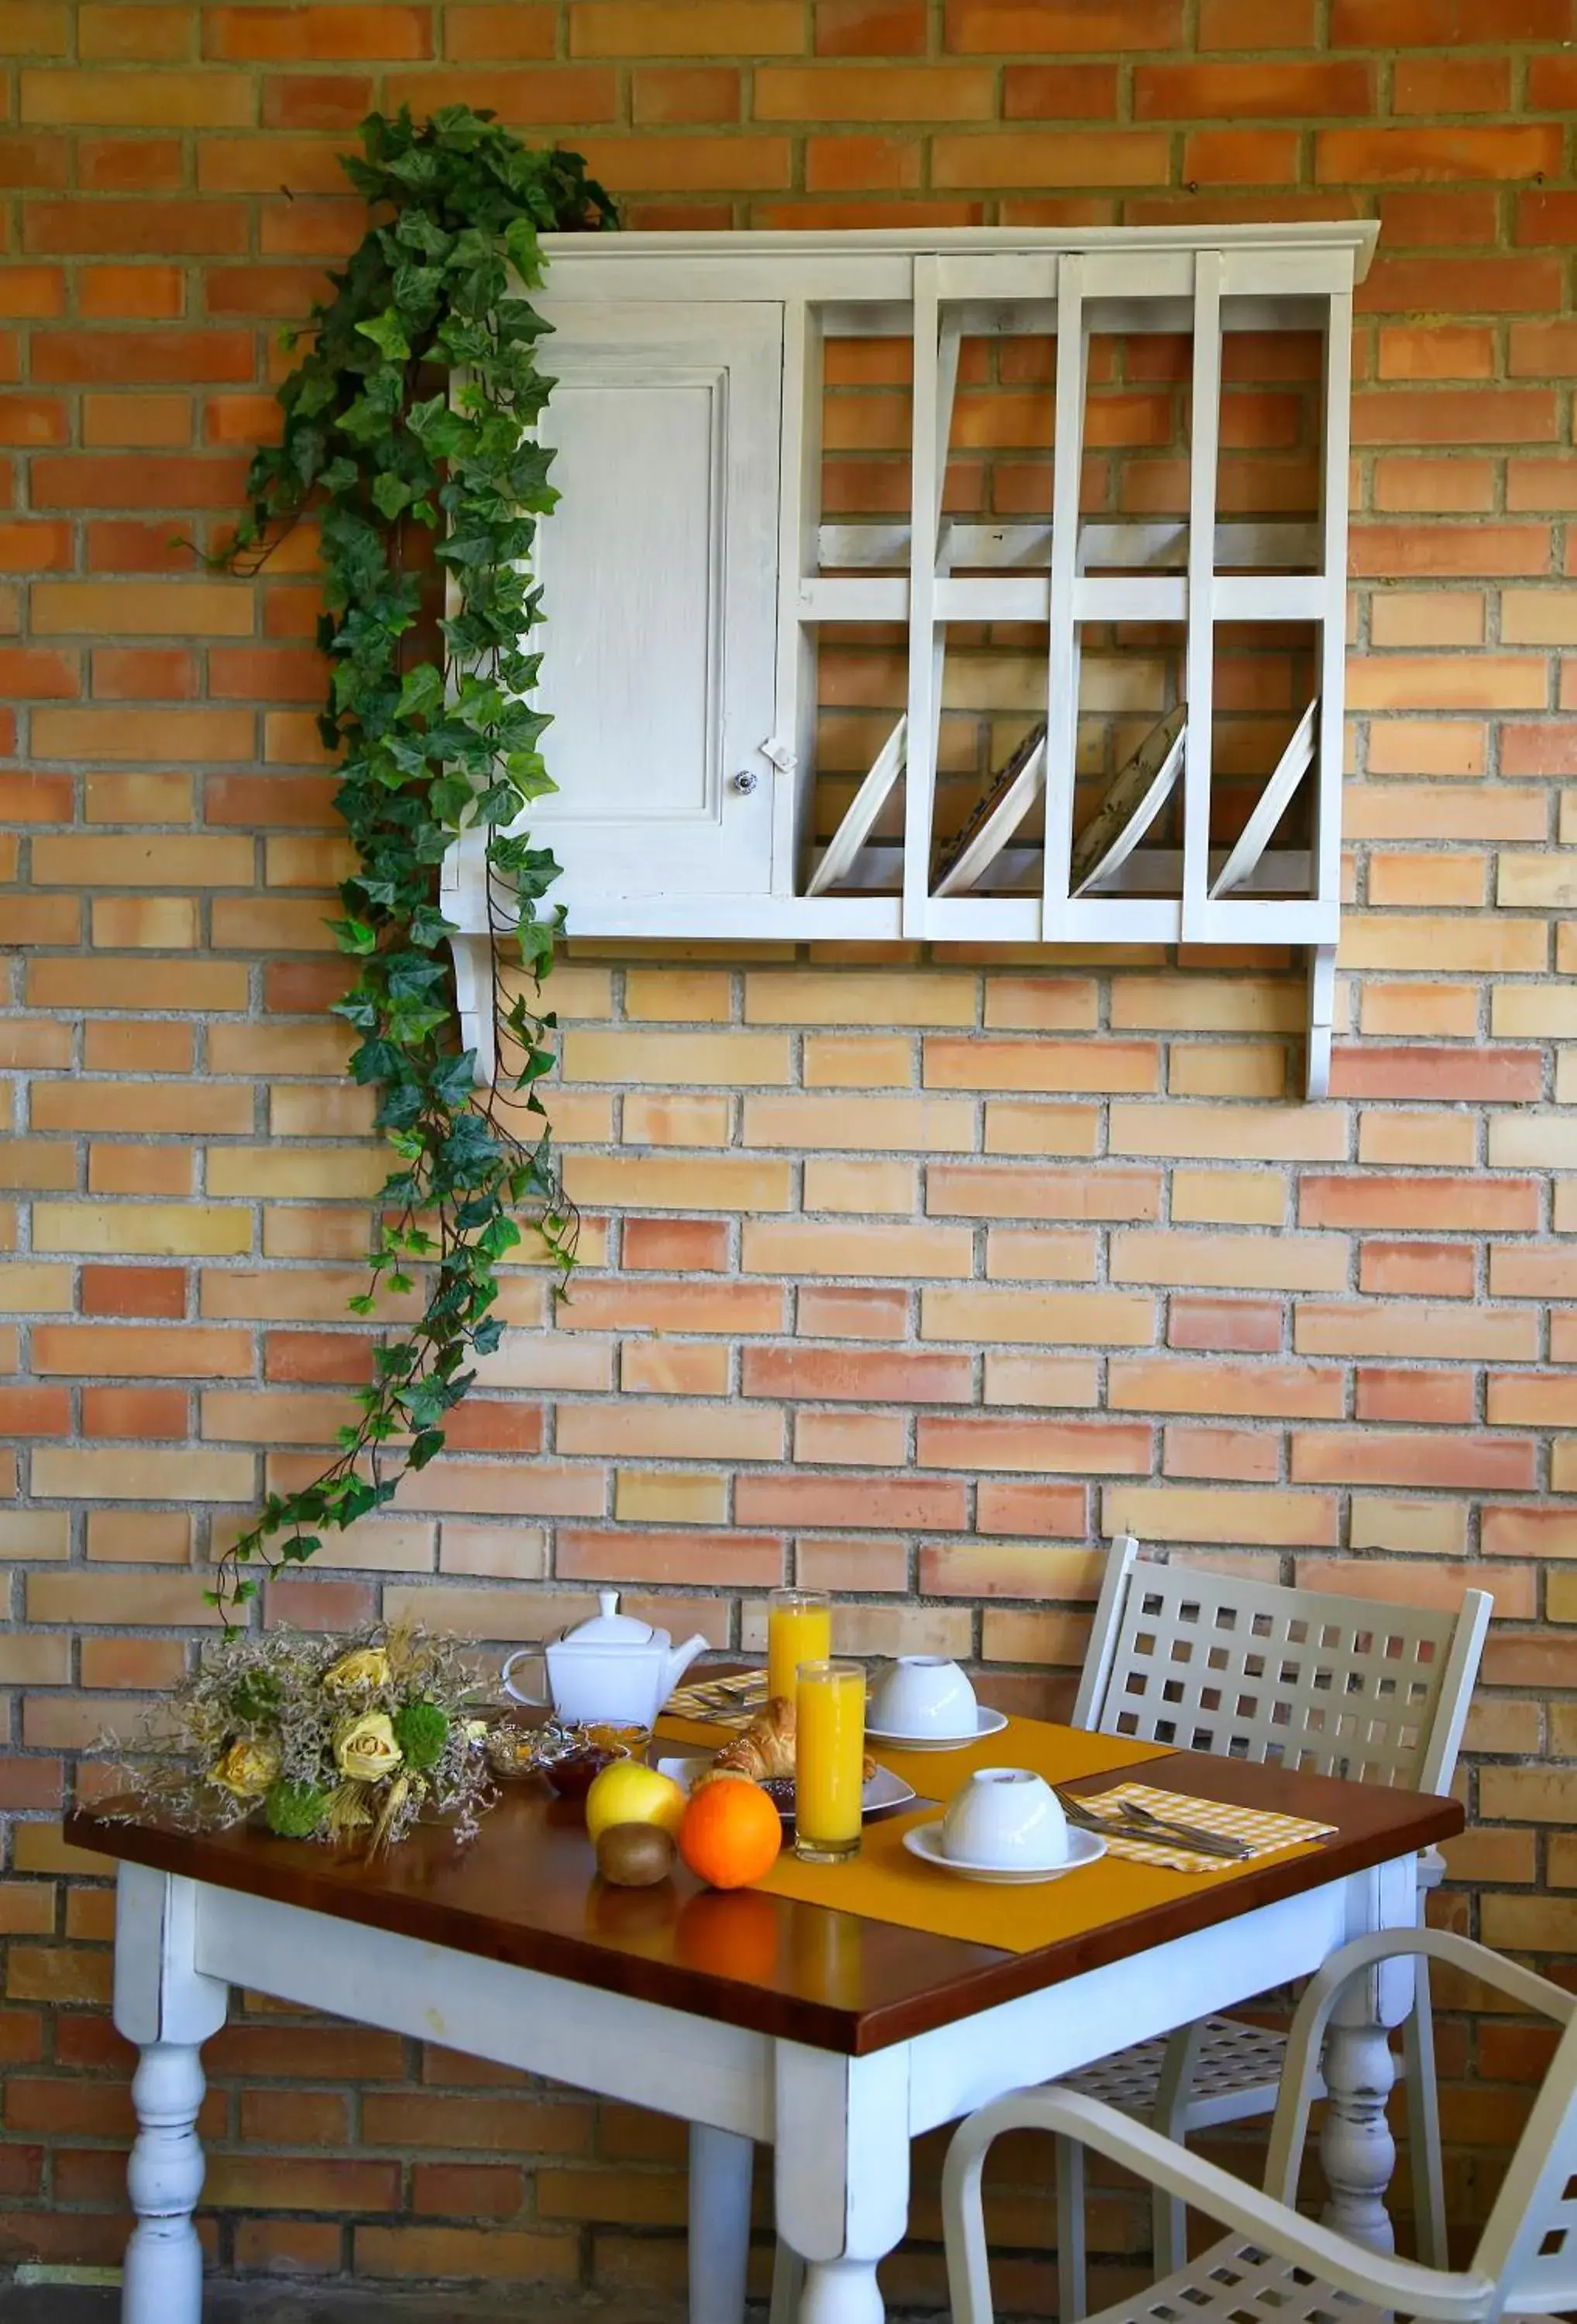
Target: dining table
831	2013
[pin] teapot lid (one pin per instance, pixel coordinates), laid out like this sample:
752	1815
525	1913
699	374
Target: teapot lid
610	1628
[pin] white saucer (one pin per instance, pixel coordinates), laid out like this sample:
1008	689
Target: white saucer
988	1722
925	1842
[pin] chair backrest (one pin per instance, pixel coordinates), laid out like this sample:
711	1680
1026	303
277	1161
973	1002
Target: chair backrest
1529	2243
1333	1686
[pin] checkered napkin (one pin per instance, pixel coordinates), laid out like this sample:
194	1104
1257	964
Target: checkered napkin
1262	1832
721	1701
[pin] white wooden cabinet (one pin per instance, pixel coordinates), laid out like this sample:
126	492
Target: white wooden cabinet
699	590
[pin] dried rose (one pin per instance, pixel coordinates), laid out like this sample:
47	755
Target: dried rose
365	1749
364	1667
247	1769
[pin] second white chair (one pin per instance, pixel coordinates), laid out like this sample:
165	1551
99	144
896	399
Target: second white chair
1327	1685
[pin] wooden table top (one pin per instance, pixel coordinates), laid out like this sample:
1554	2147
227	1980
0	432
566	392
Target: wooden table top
524	1892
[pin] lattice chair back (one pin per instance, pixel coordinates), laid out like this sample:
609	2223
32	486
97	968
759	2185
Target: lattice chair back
1529	2243
1246	1670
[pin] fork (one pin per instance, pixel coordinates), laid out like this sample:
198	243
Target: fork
1133	1821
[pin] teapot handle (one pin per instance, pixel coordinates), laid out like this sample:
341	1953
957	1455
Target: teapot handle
531	1702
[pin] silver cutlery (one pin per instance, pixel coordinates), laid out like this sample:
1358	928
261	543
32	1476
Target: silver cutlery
1132	1821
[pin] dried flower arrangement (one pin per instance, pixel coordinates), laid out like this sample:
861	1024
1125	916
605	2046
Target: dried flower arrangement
346	1739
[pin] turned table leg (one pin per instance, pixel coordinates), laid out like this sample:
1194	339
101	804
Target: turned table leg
163	2280
165	2006
1356	2147
842	2167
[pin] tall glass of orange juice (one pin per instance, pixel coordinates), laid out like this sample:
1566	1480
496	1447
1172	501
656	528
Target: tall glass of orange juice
829	1750
799	1629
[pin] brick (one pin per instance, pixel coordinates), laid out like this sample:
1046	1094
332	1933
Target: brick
976	1190
817	1247
691	1432
857	999
733	1059
1439	1271
1436	155
1248	91
133	100
873	93
1246	1391
128	1476
974	1063
1257	1132
1184	1512
833	1061
326	34
1061	92
1230	1262
929	1124
1043	1382
1461	1463
1036	1318
1076	157
698	1183
140	1229
1087	1448
1057	26
909	1503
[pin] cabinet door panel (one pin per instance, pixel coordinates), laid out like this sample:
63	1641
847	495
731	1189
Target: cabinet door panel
659	585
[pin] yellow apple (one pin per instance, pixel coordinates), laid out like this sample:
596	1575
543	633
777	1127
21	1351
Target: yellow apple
629	1792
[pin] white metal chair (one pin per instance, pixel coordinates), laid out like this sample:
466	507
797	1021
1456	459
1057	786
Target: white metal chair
1328	1685
1274	2266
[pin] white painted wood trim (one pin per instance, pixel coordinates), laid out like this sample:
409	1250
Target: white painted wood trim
1062	676
1203	455
632	2050
798	513
925	488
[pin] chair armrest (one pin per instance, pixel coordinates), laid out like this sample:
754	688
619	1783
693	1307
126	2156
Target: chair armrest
1300	2080
1374	2277
1431	1867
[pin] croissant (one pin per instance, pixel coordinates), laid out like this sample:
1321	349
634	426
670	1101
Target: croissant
765	1749
764	1752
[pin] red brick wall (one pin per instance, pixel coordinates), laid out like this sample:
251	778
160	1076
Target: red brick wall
934	1370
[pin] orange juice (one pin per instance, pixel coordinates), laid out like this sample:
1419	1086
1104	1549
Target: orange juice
828	1751
799	1629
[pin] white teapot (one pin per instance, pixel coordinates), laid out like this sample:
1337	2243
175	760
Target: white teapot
610	1670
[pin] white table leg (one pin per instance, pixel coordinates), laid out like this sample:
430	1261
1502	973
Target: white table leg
1356	2147
841	2160
162	2279
164	2005
720	2224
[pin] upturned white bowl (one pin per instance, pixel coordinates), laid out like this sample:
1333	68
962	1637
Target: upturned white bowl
923	1695
1006	1817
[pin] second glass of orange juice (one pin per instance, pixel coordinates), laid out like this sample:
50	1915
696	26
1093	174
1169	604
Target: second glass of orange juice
829	1751
799	1629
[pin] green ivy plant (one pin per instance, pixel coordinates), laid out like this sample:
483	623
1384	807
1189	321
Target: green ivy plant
408	432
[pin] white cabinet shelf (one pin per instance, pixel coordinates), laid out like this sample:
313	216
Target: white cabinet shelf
700	589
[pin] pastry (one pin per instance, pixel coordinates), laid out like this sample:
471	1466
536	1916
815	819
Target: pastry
764	1752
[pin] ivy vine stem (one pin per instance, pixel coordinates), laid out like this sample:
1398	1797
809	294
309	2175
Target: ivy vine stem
409	430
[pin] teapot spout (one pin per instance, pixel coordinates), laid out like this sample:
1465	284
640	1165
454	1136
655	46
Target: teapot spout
680	1660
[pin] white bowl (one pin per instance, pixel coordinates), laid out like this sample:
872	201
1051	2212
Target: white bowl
923	1695
1008	1817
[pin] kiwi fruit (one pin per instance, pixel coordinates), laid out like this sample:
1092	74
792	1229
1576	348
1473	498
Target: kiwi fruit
634	1855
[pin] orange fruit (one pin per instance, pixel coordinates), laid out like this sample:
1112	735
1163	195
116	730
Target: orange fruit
731	1834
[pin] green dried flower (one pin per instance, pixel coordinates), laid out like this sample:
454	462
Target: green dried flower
421	1730
257	1696
295	1810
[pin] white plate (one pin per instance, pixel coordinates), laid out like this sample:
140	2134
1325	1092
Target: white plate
925	1842
1018	792
1270	806
1156	765
885	1790
988	1722
863	808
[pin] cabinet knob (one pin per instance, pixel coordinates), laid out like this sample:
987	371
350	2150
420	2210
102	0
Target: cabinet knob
744	781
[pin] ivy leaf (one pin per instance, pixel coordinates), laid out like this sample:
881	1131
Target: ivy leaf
354	936
387	334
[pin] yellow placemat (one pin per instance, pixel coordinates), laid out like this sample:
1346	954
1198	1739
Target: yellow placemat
1060	1754
885	1882
1261	1831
